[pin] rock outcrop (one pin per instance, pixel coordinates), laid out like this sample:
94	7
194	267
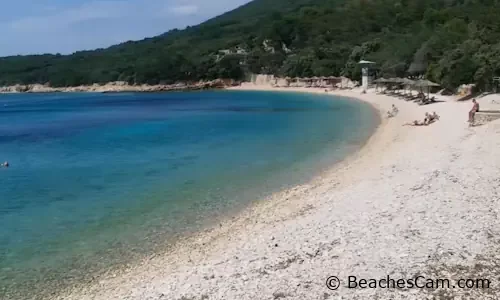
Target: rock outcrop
119	86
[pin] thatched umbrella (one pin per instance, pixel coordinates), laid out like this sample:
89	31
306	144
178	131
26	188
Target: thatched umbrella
408	83
401	82
395	81
424	83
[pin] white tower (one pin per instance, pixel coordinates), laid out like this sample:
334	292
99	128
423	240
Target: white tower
365	73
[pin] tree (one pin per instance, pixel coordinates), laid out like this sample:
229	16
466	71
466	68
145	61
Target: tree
451	41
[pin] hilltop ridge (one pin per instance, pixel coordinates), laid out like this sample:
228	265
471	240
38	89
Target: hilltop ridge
449	41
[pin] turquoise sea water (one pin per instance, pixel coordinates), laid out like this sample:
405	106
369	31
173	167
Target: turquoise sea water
98	180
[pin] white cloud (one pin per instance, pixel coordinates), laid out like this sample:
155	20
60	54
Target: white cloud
184	10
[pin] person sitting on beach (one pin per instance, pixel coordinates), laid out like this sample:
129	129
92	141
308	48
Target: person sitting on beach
473	111
415	123
427	118
393	112
435	116
431	118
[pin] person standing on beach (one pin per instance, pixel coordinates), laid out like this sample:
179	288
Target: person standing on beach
473	111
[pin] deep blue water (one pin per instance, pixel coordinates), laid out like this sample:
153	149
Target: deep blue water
97	180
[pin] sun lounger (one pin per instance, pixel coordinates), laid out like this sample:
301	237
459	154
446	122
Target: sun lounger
426	101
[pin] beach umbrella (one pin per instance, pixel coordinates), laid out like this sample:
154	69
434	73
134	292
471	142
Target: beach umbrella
399	81
424	83
393	80
408	83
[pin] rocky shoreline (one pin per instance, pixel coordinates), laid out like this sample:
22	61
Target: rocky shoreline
120	87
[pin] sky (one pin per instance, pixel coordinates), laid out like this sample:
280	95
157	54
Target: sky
65	26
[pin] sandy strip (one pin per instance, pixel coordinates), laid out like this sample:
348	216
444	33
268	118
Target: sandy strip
414	201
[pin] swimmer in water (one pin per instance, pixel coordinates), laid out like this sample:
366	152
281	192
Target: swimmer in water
5	164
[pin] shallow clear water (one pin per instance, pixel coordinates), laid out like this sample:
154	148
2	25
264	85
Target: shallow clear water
99	179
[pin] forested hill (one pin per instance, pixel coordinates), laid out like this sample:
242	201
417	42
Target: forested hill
450	41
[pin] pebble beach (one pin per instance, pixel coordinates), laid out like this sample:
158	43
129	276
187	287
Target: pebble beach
414	201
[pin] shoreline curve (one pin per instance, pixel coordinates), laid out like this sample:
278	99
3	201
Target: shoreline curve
227	224
413	200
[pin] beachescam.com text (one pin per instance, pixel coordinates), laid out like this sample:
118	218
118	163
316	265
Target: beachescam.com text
419	282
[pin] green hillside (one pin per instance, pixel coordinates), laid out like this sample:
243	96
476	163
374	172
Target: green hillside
450	41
